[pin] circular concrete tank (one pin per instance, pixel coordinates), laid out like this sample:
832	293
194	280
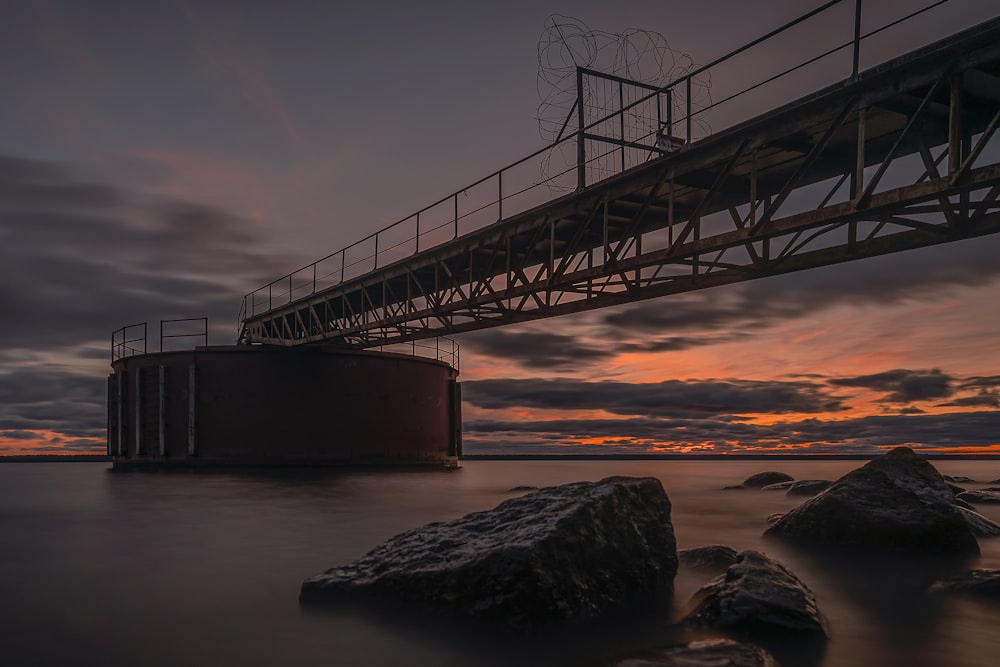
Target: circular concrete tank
266	406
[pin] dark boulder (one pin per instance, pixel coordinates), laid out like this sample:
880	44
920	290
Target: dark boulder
762	479
757	595
808	487
705	653
579	551
714	558
980	497
982	583
980	525
897	502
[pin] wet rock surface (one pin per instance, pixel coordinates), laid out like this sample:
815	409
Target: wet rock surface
896	502
981	583
958	479
757	595
980	525
713	558
707	653
780	486
808	487
578	551
763	479
980	496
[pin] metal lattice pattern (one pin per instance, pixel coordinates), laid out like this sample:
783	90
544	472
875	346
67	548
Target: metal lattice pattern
900	157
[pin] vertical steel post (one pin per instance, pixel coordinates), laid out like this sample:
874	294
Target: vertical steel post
456	216
857	38
192	410
955	125
500	197
343	258
163	411
581	153
621	120
138	411
688	120
376	250
314	279
121	410
670	112
858	175
416	237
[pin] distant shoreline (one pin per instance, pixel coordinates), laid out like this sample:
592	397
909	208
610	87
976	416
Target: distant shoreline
56	458
101	458
709	457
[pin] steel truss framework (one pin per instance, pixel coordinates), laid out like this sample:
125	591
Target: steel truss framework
728	209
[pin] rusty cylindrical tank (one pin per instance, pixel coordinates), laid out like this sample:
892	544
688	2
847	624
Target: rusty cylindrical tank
264	406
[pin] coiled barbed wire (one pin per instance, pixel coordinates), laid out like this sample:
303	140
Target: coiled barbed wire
639	55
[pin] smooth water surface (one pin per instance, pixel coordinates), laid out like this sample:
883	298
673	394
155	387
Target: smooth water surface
205	568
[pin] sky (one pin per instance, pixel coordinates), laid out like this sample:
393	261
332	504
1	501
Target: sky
161	159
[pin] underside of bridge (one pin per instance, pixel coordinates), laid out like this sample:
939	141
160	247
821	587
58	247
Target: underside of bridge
898	157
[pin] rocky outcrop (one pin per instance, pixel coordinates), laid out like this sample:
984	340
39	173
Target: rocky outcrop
707	653
980	497
757	595
573	552
897	502
978	524
982	583
808	487
762	479
714	558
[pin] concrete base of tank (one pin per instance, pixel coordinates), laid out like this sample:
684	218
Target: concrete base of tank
265	406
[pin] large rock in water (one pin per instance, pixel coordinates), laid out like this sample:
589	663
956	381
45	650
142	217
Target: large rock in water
705	653
757	595
573	552
897	501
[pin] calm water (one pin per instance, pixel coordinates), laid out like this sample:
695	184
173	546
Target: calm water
204	569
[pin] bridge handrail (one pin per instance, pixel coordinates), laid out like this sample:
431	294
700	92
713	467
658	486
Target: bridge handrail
248	308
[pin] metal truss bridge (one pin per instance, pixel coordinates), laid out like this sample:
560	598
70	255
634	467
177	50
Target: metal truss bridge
895	157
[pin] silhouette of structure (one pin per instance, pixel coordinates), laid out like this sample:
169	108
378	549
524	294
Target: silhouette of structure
896	157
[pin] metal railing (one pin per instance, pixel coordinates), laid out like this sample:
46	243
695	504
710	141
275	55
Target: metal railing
499	194
440	348
122	345
183	323
131	340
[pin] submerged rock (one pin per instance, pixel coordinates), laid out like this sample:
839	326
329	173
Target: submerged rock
897	501
808	487
983	583
763	479
757	595
714	558
958	479
980	496
706	653
573	552
978	524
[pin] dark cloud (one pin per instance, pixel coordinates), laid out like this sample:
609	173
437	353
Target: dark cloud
79	259
864	434
756	304
904	386
671	398
989	400
535	349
